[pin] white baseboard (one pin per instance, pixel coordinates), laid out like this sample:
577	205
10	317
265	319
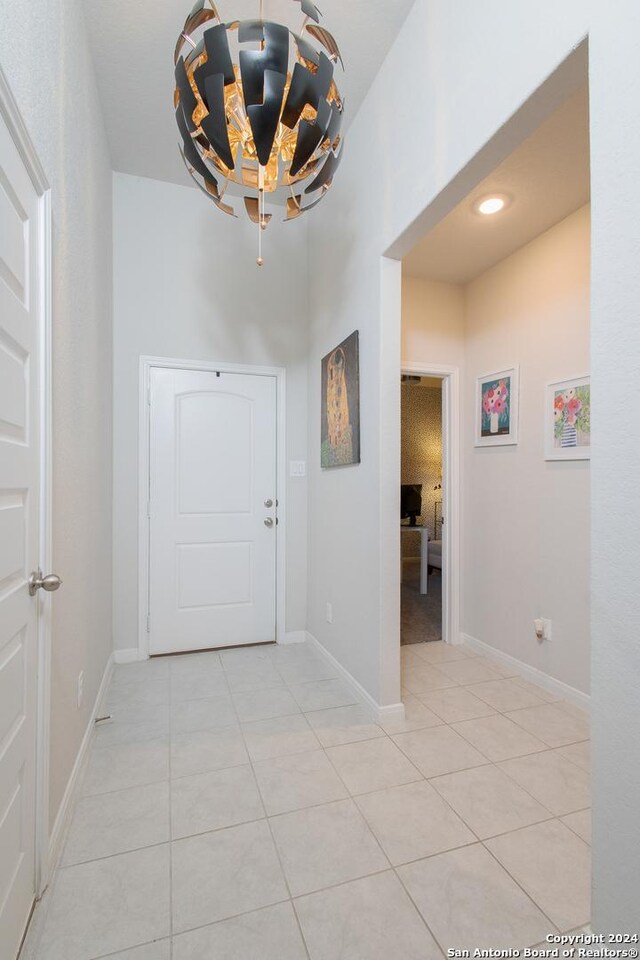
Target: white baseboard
56	840
294	636
557	687
394	711
130	655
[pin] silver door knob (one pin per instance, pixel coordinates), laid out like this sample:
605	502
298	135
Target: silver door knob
268	522
49	583
268	503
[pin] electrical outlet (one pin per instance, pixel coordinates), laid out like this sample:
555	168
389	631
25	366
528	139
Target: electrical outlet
80	692
329	613
543	629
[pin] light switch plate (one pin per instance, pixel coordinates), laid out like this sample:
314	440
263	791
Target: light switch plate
297	468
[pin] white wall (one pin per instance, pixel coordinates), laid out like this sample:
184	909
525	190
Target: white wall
432	333
456	74
615	464
526	521
186	286
432	322
394	167
45	57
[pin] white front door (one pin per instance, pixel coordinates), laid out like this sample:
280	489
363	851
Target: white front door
20	304
212	508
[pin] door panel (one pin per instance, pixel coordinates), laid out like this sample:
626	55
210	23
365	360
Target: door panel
20	272
210	574
12	528
13	402
208	483
212	468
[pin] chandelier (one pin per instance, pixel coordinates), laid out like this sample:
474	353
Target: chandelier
258	111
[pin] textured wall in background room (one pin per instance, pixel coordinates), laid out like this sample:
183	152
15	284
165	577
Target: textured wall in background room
421	426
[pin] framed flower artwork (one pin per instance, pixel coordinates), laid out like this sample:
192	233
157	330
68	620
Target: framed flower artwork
568	419
497	409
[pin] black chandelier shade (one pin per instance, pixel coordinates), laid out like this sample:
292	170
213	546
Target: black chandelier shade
258	110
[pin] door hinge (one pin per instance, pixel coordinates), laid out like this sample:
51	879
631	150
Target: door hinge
148	624
149	394
149	509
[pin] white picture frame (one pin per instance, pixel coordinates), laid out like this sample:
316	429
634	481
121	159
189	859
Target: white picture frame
497	422
567	419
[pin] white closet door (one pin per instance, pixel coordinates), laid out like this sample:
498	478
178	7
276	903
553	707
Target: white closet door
20	275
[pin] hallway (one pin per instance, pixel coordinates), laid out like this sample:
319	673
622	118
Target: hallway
420	614
241	805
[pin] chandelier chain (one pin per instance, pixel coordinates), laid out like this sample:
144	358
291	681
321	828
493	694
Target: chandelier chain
259	111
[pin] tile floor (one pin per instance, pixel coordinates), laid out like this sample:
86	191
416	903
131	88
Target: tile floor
241	806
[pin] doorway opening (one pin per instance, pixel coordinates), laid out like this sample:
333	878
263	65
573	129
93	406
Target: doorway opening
421	508
499	289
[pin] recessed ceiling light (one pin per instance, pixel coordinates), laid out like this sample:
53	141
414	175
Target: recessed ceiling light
487	206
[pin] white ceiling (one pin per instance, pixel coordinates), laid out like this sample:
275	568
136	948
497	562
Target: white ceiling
547	178
132	43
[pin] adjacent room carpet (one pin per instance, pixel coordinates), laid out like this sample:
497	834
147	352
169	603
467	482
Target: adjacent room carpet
421	616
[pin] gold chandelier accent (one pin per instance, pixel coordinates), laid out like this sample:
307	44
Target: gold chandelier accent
258	110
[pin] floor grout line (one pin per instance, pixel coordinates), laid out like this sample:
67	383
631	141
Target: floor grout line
527	791
352	797
275	847
312	806
419	912
518	884
147	943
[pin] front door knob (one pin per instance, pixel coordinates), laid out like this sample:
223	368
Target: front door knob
268	503
49	583
268	522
